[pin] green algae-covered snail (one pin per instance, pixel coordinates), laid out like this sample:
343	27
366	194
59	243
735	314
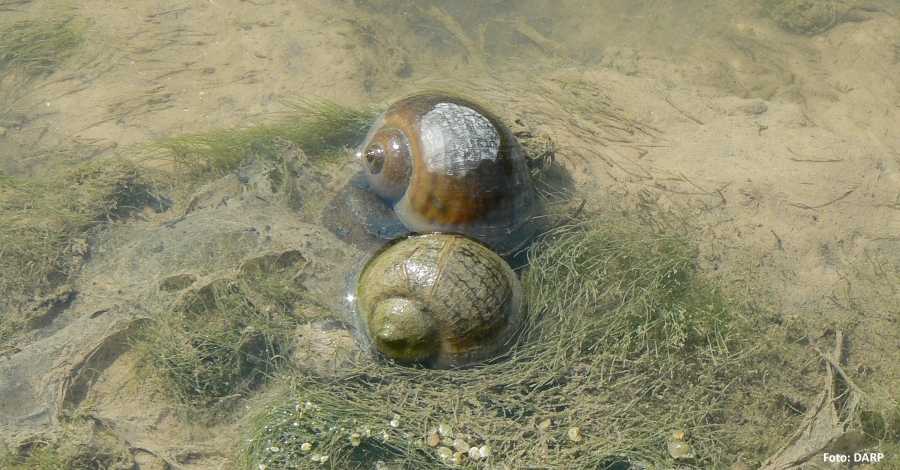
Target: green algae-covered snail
441	300
446	164
678	447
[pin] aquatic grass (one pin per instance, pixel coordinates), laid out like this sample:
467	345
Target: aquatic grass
625	343
33	49
8	5
881	424
217	342
79	445
46	219
809	17
36	48
318	127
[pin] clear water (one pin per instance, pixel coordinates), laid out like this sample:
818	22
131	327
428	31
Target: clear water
777	122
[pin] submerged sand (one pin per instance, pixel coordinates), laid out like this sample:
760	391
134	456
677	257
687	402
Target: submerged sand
783	147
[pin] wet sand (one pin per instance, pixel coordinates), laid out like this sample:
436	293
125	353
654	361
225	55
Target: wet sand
783	147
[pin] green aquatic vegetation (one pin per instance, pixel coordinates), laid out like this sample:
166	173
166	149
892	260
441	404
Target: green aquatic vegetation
46	219
36	48
625	343
317	127
882	425
79	446
803	16
30	50
883	428
219	341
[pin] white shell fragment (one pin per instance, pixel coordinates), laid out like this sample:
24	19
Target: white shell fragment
461	445
458	139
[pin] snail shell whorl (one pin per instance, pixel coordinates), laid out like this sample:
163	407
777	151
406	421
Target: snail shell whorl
440	299
448	165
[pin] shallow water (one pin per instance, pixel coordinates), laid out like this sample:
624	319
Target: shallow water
777	133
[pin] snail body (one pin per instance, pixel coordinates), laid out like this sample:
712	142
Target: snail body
441	300
445	164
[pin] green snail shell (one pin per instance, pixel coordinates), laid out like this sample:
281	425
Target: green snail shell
442	300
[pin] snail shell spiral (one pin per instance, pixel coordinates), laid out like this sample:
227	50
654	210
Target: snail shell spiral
446	164
441	300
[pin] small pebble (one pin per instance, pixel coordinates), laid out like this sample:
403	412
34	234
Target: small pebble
305	447
445	430
544	425
574	434
395	422
459	458
755	108
433	439
460	445
473	453
678	448
484	451
445	454
355	439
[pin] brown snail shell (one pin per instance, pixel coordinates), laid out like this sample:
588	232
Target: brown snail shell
446	164
442	300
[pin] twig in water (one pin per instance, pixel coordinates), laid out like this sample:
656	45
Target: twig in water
683	112
805	206
833	360
574	216
812	160
778	239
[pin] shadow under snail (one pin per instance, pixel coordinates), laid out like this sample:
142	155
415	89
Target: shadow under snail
446	164
441	300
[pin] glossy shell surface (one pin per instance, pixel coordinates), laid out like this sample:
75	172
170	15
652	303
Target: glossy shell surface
439	299
446	164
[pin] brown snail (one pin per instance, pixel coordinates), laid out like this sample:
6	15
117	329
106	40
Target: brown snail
445	164
441	300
